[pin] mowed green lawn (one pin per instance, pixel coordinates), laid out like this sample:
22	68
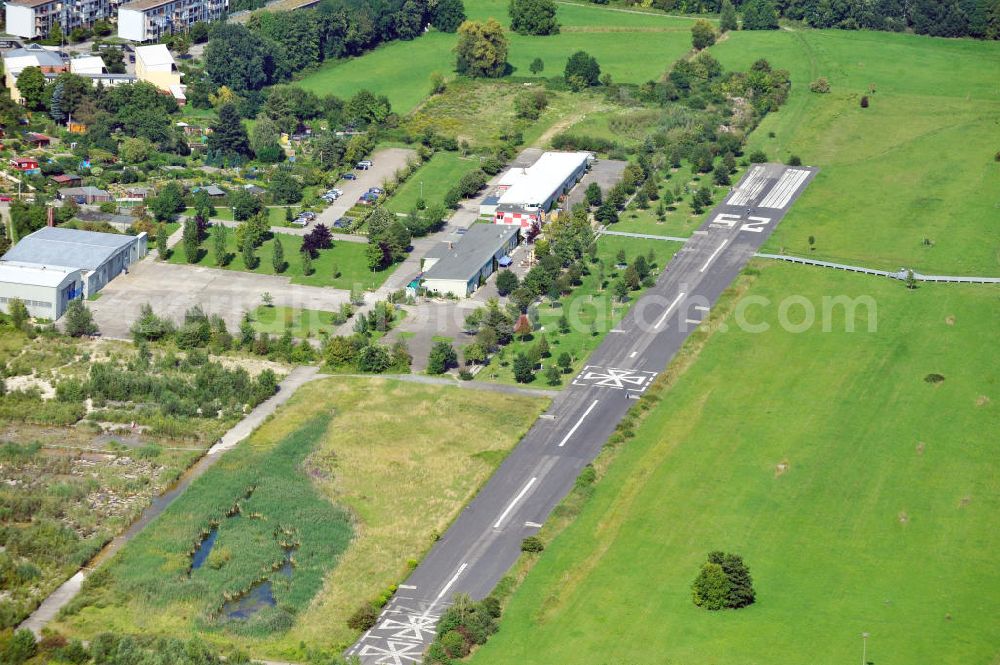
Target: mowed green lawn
401	70
432	181
917	164
883	520
344	266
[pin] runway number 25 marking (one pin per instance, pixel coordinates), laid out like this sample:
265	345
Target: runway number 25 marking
728	221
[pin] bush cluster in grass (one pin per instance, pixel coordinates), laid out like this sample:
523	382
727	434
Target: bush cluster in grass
463	625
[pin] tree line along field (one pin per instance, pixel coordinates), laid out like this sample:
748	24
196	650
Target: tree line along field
401	70
318	469
916	165
861	495
343	266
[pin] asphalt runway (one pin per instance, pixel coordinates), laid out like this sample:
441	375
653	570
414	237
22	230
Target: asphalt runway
485	540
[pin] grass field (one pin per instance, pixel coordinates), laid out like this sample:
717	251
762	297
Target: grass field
303	322
590	310
347	258
880	520
434	179
401	70
912	166
381	434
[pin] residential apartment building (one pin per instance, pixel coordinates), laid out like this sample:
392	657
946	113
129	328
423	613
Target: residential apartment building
148	20
35	18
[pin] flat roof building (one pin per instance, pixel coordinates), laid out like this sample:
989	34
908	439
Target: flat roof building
459	268
53	265
525	195
155	65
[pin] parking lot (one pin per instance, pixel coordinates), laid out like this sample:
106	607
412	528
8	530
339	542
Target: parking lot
605	172
173	289
384	164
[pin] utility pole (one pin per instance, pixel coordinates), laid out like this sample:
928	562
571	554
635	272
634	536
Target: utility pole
864	648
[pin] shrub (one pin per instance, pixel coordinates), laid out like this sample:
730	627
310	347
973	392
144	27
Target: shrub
532	544
864	101
820	85
758	157
794	160
364	617
934	378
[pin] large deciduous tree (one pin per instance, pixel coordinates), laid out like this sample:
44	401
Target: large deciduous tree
533	17
31	85
448	15
702	34
481	50
582	70
240	58
760	15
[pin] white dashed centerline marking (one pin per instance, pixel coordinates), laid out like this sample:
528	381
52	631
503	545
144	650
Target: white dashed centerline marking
510	506
701	308
714	254
669	309
694	321
452	580
578	423
633	354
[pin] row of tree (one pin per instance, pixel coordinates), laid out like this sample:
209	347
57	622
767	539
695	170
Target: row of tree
273	46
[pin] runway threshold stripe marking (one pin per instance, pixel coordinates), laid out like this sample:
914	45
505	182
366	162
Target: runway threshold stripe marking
714	254
578	423
669	309
781	193
514	501
453	578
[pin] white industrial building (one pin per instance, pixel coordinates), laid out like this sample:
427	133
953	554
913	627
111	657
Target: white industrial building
52	266
460	267
525	195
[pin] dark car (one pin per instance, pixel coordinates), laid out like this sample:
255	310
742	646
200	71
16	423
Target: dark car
349	176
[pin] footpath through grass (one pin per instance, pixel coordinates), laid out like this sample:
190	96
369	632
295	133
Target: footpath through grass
909	181
862	496
343	266
390	462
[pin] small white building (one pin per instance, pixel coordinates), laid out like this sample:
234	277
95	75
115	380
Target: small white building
87	64
52	266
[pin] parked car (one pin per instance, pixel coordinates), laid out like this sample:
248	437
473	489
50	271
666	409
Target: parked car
298	221
364	165
376	190
349	176
343	223
338	192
